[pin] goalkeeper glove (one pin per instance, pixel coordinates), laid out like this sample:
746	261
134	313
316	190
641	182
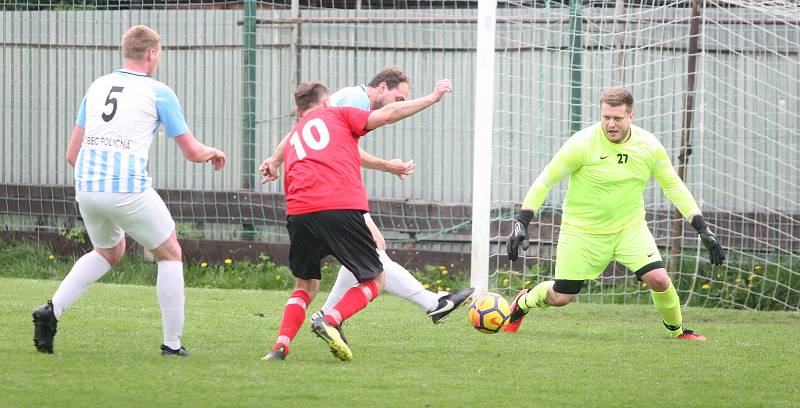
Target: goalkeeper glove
519	235
709	240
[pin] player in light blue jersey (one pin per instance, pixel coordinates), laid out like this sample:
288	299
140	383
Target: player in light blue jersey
388	86
118	119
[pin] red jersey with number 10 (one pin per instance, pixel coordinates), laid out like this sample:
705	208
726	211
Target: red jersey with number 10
322	167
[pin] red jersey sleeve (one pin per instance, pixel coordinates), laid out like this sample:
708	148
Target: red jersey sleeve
355	118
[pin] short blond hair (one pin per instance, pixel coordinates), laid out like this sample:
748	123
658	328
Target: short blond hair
138	40
616	96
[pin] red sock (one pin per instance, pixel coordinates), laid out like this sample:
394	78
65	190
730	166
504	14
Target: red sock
293	316
354	300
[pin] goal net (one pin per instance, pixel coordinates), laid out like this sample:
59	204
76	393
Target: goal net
723	101
715	81
234	66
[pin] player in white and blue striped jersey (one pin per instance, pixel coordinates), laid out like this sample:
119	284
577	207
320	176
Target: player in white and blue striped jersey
118	119
113	155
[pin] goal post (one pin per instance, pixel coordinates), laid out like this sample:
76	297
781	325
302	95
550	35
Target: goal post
482	144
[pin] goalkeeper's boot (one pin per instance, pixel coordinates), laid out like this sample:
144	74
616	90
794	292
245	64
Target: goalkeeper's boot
517	314
333	335
44	327
168	352
691	336
448	303
278	353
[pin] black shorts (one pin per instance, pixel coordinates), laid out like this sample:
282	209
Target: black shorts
341	233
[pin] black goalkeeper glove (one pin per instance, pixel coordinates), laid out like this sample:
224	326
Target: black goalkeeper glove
519	235
709	240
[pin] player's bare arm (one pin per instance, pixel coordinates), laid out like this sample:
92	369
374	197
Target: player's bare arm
270	168
75	142
400	110
197	152
395	166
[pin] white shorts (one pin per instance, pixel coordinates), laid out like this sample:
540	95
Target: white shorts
108	216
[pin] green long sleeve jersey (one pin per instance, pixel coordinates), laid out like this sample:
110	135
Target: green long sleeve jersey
607	180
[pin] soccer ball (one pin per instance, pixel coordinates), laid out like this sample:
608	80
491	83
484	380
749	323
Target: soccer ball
489	312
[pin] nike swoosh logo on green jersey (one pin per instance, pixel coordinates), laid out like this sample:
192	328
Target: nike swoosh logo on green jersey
603	157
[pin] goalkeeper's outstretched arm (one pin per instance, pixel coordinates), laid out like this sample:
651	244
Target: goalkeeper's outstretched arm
676	191
566	161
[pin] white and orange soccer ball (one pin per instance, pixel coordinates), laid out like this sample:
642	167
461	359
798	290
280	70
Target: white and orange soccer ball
489	312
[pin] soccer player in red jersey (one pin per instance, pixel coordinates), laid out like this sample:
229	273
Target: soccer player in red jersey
387	86
325	203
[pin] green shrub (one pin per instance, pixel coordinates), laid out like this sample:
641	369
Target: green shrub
746	282
39	262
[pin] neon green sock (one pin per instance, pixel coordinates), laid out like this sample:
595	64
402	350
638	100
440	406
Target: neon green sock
537	297
669	307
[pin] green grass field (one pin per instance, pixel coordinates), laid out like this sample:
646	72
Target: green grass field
583	355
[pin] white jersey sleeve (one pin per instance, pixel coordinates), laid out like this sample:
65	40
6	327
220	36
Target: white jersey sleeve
169	111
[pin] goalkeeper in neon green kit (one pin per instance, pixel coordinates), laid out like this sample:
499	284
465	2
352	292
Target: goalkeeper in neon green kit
608	164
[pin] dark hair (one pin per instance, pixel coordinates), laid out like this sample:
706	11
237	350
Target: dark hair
616	96
393	76
309	94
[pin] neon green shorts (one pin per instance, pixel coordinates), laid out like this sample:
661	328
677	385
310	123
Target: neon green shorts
582	255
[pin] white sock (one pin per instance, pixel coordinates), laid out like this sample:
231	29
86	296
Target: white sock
344	281
402	283
169	287
87	270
